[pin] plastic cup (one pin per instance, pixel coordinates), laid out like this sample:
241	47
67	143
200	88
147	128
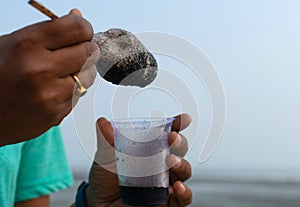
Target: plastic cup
141	147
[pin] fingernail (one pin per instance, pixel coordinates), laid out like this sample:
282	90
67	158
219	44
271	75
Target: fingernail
181	188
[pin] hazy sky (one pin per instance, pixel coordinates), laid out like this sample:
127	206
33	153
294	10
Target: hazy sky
254	46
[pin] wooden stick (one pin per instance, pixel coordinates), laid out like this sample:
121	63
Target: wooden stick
42	9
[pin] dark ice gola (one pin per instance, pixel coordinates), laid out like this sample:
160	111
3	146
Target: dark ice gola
143	196
124	59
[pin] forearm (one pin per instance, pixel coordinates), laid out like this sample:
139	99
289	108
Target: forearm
37	202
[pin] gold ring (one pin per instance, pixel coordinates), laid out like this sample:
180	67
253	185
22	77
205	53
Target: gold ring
80	90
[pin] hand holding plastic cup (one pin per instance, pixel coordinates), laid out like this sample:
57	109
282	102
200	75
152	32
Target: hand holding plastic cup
141	147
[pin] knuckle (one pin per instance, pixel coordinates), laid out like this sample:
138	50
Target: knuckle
82	28
90	48
33	71
23	41
30	64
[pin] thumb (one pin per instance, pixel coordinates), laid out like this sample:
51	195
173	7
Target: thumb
103	178
105	155
76	12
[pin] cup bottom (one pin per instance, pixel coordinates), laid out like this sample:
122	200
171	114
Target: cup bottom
142	196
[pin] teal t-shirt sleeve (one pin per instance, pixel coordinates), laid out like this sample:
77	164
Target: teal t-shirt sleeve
43	168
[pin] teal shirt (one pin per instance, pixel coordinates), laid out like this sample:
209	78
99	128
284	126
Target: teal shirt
33	168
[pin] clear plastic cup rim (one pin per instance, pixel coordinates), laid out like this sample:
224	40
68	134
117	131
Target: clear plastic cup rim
129	122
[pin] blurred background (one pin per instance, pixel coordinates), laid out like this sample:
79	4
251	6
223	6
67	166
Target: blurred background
254	47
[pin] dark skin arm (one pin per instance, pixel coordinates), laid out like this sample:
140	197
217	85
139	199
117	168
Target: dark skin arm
43	201
35	67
